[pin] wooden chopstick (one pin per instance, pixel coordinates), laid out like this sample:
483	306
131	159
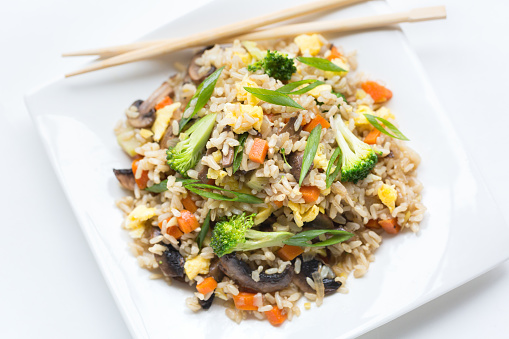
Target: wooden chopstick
352	24
215	34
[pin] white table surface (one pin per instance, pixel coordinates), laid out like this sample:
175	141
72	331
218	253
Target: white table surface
50	285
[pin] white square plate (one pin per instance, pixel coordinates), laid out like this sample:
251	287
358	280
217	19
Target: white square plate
75	118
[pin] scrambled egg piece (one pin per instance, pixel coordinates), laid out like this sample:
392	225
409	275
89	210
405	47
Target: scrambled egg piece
262	215
163	117
245	58
340	62
216	174
301	214
360	120
310	44
315	92
245	96
195	266
145	133
360	94
217	156
136	220
320	160
241	112
384	112
388	196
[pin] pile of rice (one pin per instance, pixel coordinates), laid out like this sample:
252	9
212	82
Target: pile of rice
349	205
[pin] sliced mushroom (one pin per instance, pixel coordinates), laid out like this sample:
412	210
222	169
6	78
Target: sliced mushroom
295	160
321	221
194	68
215	271
307	268
240	272
227	160
146	109
205	304
171	263
126	178
290	128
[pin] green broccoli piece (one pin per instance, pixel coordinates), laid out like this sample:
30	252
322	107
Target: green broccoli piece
187	151
234	234
279	66
357	157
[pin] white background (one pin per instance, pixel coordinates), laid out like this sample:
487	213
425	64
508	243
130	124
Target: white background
50	285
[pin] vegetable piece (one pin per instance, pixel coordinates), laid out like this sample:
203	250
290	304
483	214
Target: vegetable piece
237	155
187	221
334	54
307	269
245	301
158	188
370	139
278	203
258	150
189	204
310	152
334	160
283	151
163	118
256	183
390	225
323	64
396	132
275	316
302	238
273	97
310	194
288	252
186	154
125	177
378	92
174	231
372	223
318	120
208	285
357	157
165	102
200	98
234	234
276	65
340	95
238	196
289	89
204	230
127	142
143	179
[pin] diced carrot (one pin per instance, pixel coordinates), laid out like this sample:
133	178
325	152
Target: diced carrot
370	139
373	223
378	92
207	285
334	54
174	231
141	181
189	204
318	120
259	150
163	103
310	194
275	316
278	203
187	221
390	225
161	222
245	301
288	252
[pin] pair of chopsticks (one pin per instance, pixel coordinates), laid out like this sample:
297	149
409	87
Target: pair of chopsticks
124	54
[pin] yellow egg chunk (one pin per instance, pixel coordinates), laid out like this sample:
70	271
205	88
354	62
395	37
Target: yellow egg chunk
136	220
245	58
340	62
388	196
195	266
163	117
360	120
302	214
315	92
311	214
320	159
384	112
250	117
245	96
262	215
309	44
145	133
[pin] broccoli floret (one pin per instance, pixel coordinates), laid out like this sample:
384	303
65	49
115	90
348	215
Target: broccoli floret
357	157
279	66
187	152
234	234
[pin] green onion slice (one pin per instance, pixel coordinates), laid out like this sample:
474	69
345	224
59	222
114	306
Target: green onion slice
238	197
289	89
204	230
335	159
237	154
310	151
273	97
323	64
396	132
302	239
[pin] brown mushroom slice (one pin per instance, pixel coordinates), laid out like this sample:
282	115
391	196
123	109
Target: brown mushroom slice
295	160
322	221
307	268
290	128
146	109
240	272
126	178
171	263
194	69
227	160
